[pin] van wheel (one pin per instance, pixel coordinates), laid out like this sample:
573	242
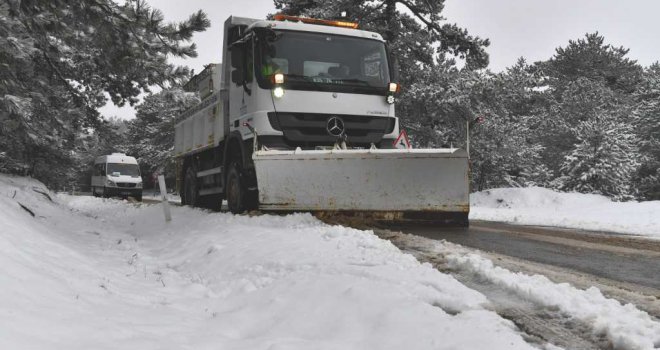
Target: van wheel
105	193
190	188
94	192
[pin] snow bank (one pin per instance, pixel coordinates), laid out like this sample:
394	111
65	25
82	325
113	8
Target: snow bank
540	206
625	326
103	274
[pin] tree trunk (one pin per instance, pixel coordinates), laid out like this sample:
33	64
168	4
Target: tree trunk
390	18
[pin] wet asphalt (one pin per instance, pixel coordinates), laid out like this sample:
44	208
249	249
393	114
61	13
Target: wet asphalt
616	257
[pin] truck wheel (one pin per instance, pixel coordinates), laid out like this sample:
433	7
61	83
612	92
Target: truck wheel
105	193
239	198
94	192
235	190
190	188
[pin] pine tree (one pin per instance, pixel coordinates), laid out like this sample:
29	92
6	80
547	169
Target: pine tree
647	126
591	58
589	85
60	59
604	159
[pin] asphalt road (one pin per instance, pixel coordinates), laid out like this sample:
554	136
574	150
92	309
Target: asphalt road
616	257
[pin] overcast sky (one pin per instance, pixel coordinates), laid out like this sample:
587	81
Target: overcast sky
527	28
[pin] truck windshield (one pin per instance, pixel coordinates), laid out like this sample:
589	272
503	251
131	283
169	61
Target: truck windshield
123	169
323	62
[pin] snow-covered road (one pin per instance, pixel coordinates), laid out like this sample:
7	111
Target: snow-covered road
92	273
105	274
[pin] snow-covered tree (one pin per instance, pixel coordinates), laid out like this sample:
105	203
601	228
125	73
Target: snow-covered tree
603	160
592	59
647	126
151	133
59	61
590	87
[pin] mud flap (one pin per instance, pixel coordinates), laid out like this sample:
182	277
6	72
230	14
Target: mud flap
393	184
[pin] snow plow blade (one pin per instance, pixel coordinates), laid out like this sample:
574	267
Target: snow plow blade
391	185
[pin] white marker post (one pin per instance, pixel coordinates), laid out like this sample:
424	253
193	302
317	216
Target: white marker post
163	193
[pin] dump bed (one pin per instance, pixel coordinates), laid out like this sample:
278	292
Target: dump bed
203	126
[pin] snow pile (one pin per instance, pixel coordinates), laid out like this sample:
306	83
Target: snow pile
104	274
540	206
625	326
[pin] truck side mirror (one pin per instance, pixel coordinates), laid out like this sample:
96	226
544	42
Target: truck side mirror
238	55
237	76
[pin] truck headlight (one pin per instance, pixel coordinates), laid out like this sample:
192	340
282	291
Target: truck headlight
278	92
109	183
139	185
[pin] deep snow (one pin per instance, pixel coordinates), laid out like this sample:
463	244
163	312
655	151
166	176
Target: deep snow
104	274
541	206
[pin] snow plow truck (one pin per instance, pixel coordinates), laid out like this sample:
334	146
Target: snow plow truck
300	117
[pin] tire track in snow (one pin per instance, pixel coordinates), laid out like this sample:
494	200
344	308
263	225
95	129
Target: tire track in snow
542	321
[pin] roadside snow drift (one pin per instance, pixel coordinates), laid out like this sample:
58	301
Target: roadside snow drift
87	273
625	326
540	206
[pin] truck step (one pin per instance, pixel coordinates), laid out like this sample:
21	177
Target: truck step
209	172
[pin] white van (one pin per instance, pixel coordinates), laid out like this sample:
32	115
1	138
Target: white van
117	175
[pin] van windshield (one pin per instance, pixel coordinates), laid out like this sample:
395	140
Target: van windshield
123	169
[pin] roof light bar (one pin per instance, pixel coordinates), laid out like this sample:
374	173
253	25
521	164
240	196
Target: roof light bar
324	22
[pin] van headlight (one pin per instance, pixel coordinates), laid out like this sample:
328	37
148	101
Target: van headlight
109	183
138	185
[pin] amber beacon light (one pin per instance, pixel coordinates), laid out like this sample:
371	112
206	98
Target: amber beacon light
324	22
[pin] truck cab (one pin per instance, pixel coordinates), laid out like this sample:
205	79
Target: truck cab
116	175
301	84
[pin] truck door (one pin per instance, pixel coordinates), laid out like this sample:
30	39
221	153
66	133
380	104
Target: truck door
241	91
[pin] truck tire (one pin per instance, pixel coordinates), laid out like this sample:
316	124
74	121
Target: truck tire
94	192
236	190
239	198
190	193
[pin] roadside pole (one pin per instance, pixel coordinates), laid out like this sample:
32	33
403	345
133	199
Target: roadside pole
163	193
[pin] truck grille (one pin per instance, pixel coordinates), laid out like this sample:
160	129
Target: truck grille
310	128
125	184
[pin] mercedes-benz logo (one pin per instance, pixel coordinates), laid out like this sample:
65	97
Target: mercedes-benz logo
335	126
